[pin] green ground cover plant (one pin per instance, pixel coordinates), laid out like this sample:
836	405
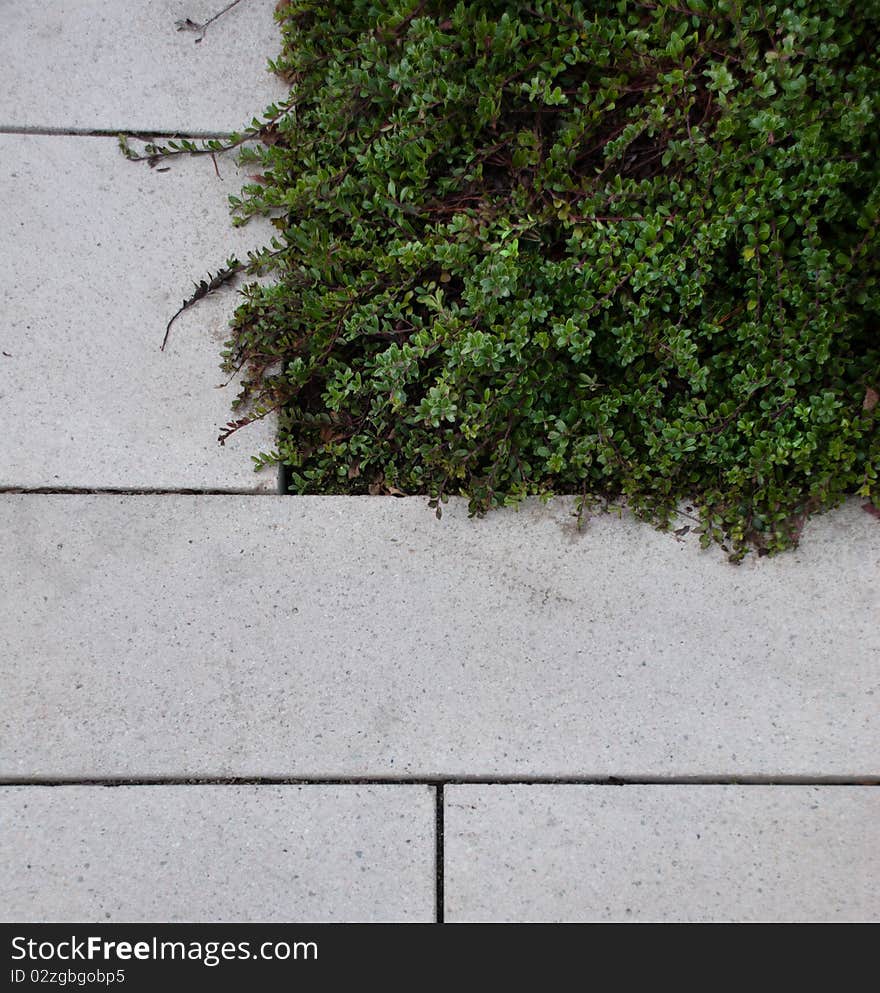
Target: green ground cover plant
622	251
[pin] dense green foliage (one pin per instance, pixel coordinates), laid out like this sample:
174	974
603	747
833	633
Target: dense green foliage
558	247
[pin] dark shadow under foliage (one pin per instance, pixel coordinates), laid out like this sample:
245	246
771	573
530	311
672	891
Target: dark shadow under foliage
620	250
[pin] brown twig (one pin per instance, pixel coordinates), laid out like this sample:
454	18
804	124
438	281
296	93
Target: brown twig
186	24
203	288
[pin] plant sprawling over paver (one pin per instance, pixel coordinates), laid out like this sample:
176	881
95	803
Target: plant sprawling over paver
615	250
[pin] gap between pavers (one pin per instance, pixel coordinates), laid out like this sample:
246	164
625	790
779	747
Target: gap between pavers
89	64
217	854
329	637
97	254
661	853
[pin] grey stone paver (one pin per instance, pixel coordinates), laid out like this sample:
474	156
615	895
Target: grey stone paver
662	853
89	64
325	637
97	253
217	853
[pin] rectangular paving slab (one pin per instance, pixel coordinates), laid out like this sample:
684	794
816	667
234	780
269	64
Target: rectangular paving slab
661	853
88	64
338	636
217	853
97	254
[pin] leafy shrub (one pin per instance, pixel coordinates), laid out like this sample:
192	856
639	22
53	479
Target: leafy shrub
558	247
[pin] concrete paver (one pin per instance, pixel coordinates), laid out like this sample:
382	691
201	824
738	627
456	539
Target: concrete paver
337	636
97	254
89	64
662	853
217	853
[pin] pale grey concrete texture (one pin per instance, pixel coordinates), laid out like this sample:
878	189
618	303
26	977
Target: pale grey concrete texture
217	853
93	65
97	254
661	853
338	636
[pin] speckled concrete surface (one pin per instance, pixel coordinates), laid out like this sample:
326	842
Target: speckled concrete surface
662	853
97	254
325	637
217	853
89	64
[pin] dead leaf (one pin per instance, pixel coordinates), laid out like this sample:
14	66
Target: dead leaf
329	434
681	532
871	399
869	508
270	135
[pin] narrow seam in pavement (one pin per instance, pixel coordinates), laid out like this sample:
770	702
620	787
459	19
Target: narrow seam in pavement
122	491
112	133
158	491
441	781
439	849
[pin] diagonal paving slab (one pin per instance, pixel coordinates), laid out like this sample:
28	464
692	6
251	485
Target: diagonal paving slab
181	636
661	853
217	854
93	65
97	254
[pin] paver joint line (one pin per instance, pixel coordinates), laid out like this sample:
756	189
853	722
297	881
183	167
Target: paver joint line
440	783
121	491
439	856
143	134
